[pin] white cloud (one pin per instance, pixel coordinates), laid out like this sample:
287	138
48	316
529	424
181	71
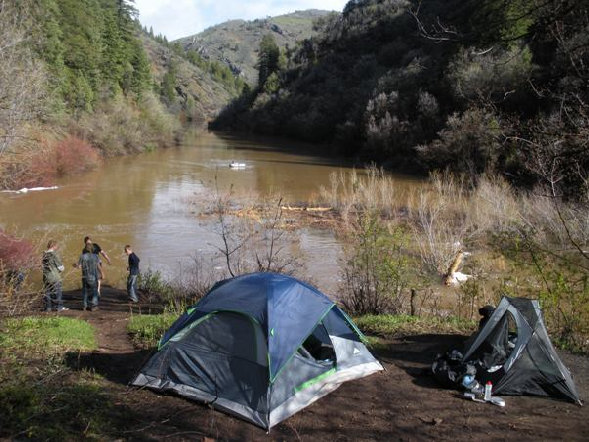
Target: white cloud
181	18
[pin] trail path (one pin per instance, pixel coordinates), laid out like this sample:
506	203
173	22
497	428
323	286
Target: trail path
109	321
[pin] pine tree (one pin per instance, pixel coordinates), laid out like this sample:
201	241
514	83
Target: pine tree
269	55
169	84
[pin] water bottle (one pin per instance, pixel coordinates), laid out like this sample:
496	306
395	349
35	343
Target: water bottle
467	380
471	384
488	390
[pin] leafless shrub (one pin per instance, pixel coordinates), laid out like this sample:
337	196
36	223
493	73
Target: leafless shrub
439	222
22	78
254	238
116	126
493	205
17	258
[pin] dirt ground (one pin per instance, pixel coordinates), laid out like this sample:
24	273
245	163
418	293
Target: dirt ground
401	403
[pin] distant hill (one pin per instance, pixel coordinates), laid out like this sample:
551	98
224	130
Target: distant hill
235	43
194	90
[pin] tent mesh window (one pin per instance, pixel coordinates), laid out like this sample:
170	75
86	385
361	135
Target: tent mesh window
318	346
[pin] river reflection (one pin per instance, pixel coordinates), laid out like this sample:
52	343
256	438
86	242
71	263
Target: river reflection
143	201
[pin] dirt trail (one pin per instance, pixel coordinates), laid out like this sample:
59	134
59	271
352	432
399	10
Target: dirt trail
110	320
402	403
115	357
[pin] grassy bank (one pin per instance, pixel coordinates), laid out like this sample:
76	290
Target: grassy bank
40	337
146	330
40	397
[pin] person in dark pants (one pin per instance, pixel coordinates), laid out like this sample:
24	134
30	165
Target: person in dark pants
90	265
52	268
97	250
133	269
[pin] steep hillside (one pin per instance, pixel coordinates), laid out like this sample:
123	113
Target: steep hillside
467	85
192	90
236	42
80	80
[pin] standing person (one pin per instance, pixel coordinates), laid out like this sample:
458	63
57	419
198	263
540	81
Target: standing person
97	250
52	268
133	269
91	273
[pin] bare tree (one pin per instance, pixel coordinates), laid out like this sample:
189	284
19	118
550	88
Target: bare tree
21	76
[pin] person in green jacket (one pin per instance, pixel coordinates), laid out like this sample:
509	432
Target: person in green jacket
52	268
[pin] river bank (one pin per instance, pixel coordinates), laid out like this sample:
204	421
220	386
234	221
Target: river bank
77	387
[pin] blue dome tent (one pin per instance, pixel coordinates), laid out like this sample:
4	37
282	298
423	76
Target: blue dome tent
260	346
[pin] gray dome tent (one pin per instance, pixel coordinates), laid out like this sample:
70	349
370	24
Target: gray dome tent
515	353
260	346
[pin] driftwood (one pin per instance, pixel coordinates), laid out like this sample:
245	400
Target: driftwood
453	277
307	209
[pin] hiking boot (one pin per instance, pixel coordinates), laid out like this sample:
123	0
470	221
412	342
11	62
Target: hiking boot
94	308
62	309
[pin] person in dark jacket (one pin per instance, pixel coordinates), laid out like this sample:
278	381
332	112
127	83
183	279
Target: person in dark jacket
52	268
97	250
90	265
133	269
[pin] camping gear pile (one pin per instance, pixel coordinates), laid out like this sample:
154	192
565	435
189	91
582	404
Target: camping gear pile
260	346
513	352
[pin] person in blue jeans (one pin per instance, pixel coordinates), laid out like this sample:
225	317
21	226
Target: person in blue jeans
91	272
133	269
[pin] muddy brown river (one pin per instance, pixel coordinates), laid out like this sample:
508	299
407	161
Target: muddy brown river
153	202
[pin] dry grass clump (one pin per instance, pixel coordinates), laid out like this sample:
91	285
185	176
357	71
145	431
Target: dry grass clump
351	193
450	214
523	244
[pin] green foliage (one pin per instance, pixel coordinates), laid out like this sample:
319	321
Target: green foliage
375	272
272	84
178	295
46	335
388	325
116	127
168	86
147	330
268	58
470	144
90	48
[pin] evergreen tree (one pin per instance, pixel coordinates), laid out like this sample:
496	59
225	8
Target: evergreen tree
141	70
268	57
168	87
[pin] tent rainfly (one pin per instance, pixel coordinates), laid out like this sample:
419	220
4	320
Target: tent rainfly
515	353
260	346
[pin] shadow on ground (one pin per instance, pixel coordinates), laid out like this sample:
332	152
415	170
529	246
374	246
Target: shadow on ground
116	367
415	354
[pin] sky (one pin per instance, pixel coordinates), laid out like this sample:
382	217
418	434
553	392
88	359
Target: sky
181	18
